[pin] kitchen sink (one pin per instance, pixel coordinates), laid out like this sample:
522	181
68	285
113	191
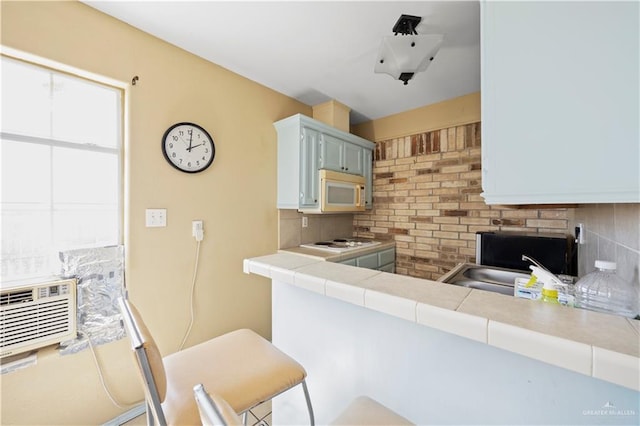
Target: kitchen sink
482	277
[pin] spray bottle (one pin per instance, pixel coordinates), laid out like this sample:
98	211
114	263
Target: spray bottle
550	283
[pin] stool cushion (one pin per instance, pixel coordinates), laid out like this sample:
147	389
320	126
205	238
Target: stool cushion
239	360
365	411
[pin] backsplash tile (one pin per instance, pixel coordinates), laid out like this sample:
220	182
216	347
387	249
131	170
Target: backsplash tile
320	228
289	232
612	232
627	225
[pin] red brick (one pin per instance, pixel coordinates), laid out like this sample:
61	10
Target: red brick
455	212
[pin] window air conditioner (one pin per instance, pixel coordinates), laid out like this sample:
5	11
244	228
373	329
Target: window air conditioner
36	315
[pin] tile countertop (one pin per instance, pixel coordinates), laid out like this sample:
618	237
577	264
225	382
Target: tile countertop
603	346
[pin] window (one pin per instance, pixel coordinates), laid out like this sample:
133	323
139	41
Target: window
61	167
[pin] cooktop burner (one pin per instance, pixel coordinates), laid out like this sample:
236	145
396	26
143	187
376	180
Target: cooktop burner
340	245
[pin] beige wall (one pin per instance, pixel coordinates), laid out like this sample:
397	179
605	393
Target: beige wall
454	112
235	198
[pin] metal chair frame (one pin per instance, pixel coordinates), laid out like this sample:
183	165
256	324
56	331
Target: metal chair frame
152	398
153	401
208	409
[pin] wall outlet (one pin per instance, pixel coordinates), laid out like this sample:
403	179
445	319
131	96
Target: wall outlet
156	218
197	230
579	233
305	221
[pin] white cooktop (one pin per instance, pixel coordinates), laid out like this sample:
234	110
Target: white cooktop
341	245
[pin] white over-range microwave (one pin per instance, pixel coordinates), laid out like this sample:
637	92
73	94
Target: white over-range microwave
339	193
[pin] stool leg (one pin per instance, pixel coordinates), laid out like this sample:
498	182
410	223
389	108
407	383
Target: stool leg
312	420
149	415
244	418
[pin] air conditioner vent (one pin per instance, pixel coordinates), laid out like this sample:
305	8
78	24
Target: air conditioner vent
18	296
37	315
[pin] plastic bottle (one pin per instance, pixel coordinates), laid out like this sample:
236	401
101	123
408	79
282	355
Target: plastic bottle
549	295
604	291
550	284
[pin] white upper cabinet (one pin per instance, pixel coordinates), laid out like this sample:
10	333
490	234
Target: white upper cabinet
305	146
341	156
309	187
560	96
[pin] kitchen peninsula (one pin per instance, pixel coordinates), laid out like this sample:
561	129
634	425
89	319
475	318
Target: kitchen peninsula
437	353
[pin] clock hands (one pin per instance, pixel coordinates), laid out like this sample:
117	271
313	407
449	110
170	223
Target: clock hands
191	146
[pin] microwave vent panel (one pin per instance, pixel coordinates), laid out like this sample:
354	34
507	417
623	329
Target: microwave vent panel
36	315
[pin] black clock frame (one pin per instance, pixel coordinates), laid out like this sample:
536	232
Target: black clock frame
187	123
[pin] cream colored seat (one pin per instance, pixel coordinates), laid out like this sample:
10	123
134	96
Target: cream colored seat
241	366
362	411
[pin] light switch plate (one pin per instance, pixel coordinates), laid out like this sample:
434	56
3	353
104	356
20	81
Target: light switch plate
156	218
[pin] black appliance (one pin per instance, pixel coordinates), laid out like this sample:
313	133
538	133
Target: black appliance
557	252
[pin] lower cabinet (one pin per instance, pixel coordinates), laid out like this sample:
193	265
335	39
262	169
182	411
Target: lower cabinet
350	262
383	260
391	268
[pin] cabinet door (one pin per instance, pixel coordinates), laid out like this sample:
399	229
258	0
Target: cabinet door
387	256
341	156
331	153
309	168
560	105
369	261
367	172
353	159
350	262
391	268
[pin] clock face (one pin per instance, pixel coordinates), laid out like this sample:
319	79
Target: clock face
188	147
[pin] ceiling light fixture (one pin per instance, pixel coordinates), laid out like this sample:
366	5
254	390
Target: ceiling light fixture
402	57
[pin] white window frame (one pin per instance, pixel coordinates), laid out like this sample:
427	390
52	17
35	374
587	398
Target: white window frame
119	149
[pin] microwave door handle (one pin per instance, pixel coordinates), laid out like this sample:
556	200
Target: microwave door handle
360	189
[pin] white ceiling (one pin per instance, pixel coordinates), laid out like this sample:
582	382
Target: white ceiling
317	51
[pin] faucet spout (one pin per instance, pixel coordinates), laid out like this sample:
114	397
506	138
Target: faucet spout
535	262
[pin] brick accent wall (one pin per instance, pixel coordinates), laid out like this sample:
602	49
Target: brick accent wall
426	197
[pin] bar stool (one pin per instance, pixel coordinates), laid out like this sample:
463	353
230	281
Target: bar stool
362	411
241	366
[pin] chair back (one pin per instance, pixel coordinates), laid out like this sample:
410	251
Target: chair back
149	359
214	411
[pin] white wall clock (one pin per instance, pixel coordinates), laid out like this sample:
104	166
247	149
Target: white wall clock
188	147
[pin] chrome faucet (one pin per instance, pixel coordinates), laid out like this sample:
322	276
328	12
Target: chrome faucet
535	262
